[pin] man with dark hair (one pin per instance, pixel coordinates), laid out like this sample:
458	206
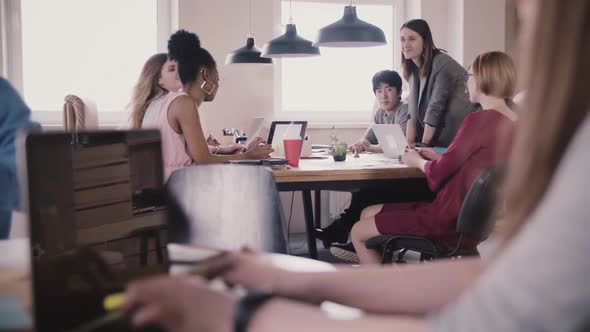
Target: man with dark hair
387	86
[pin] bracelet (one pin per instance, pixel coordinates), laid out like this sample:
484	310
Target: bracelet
247	305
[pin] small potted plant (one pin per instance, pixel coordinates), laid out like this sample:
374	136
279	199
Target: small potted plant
338	148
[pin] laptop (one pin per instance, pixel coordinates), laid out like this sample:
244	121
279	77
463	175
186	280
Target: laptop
85	194
391	138
280	130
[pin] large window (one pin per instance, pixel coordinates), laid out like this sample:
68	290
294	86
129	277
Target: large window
89	48
337	84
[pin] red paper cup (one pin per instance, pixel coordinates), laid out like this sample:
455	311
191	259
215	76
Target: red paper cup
292	151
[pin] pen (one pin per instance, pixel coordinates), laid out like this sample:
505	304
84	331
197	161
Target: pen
117	301
114	303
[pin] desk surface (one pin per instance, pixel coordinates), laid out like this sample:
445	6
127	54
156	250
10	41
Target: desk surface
366	167
15	280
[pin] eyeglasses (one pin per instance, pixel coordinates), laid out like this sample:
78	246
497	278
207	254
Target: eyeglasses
466	76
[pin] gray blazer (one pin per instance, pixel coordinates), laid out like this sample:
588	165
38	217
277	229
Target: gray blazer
444	102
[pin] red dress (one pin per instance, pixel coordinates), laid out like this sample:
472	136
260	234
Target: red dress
476	147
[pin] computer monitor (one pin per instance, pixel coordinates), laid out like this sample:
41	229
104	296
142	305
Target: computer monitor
88	195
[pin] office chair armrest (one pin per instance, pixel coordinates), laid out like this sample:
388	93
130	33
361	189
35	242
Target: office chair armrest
377	242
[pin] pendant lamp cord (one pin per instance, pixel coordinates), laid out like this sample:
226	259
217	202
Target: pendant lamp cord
350	3
250	19
290	12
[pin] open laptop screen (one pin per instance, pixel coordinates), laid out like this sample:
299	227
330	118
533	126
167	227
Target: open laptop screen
90	198
280	130
391	138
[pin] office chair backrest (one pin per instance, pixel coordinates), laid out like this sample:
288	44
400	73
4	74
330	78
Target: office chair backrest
226	207
79	113
480	201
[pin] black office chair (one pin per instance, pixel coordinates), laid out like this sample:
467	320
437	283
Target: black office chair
226	207
475	219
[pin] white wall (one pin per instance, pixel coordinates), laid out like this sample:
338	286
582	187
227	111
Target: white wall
455	29
435	12
222	25
484	24
11	57
463	27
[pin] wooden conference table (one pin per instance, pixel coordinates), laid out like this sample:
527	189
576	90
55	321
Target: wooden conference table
367	171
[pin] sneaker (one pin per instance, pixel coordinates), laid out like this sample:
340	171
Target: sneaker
345	252
336	232
328	236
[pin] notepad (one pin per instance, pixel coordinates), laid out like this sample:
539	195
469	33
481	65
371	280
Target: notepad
439	150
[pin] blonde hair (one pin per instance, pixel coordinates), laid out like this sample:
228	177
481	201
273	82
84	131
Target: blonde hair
495	74
557	72
147	88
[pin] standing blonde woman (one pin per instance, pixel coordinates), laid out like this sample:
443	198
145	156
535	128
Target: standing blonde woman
158	77
538	279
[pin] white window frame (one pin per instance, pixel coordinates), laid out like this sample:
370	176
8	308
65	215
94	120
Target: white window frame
326	119
11	66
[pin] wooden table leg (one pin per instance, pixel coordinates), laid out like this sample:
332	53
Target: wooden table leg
318	209
309	225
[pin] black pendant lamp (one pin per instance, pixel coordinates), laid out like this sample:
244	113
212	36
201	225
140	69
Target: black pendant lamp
249	53
290	45
350	31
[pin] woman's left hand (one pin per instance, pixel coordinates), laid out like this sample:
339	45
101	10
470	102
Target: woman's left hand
411	157
429	154
180	304
255	142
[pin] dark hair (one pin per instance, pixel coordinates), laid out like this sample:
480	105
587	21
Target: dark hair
185	48
408	66
390	77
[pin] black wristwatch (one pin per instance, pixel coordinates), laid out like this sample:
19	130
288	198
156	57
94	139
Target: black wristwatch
247	305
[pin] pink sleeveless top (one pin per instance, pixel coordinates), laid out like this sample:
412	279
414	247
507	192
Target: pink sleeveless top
174	149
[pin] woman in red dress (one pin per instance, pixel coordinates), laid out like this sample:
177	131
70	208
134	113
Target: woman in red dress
491	79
